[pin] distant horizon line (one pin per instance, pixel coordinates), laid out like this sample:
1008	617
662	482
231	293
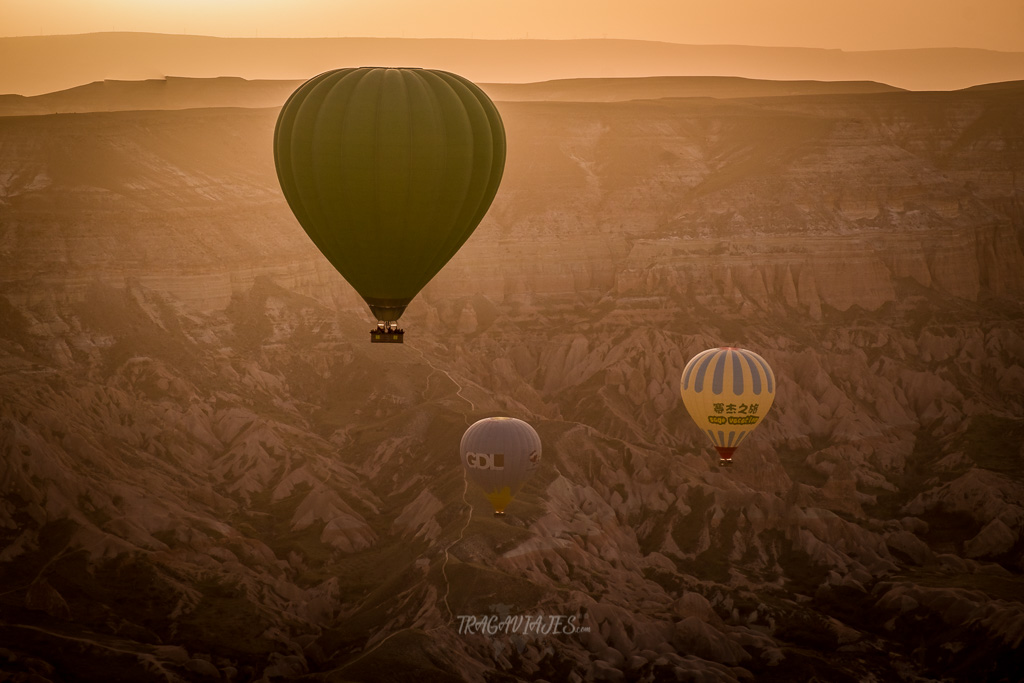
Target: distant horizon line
510	40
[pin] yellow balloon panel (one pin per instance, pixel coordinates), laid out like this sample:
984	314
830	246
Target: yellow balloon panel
500	498
727	392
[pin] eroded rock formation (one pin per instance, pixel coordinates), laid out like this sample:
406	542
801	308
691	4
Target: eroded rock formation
206	471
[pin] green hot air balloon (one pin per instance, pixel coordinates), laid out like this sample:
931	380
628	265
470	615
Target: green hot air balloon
389	171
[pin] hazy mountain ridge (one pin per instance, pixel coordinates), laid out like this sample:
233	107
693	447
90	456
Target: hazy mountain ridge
189	93
44	64
208	471
162	93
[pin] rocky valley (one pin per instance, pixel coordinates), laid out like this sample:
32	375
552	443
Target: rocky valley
208	473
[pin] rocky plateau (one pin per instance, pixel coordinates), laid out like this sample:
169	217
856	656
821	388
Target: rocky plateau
208	473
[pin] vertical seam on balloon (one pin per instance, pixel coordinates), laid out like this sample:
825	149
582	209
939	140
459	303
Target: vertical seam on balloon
527	449
428	270
445	133
408	159
465	91
283	151
359	75
315	204
521	445
381	257
524	465
329	237
508	446
495	129
474	132
300	98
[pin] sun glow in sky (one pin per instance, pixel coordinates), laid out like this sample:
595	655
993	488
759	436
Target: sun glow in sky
846	24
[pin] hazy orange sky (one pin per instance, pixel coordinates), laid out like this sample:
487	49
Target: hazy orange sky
843	24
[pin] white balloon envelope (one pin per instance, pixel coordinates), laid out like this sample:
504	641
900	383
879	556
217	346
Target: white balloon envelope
499	455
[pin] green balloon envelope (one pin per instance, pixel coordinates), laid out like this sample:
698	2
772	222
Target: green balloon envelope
389	171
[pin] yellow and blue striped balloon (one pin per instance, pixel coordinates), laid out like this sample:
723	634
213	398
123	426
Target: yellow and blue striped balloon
727	392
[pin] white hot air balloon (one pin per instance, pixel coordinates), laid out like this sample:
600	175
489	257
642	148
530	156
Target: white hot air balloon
500	454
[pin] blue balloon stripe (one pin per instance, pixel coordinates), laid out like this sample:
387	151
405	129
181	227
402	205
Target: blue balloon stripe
695	364
769	377
755	374
688	371
698	381
737	373
718	380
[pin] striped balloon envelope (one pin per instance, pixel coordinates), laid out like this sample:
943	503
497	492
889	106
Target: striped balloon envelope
727	392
